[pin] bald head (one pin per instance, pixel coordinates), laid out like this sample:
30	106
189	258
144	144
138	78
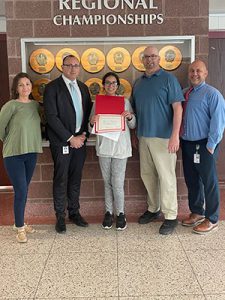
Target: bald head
151	59
197	72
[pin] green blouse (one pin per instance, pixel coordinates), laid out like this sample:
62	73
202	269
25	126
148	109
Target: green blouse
20	128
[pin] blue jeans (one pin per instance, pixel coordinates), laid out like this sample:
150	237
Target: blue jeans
20	169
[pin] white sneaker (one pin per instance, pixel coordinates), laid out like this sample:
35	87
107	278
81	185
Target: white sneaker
21	235
28	228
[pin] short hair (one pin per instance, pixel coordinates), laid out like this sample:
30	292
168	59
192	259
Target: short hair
67	56
110	74
16	81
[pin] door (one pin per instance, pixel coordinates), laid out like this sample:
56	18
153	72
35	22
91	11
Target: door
217	79
4	96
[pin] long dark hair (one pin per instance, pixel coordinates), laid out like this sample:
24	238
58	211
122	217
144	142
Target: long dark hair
15	84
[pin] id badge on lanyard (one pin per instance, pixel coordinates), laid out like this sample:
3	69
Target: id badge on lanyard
197	155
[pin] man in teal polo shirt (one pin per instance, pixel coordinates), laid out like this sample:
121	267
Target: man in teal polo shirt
156	99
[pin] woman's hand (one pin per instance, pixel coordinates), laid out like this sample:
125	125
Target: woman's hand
128	115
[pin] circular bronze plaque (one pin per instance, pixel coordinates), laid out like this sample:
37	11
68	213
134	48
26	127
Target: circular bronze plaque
63	53
42	61
170	57
95	87
137	58
124	89
93	60
118	59
38	88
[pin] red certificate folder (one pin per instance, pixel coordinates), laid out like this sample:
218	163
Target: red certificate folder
109	105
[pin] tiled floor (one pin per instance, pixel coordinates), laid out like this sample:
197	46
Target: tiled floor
92	263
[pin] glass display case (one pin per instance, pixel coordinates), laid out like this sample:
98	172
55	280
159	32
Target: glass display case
42	59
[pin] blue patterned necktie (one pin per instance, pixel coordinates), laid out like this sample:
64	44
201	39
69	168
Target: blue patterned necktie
77	105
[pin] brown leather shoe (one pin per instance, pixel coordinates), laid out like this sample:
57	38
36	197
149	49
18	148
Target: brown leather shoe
193	220
205	227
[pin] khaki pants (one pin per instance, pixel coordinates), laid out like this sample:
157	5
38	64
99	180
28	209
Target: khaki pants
158	175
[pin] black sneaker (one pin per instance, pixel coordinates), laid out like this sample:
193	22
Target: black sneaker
78	220
121	223
148	217
168	227
108	221
60	225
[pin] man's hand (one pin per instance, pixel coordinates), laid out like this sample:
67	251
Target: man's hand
77	141
210	150
174	144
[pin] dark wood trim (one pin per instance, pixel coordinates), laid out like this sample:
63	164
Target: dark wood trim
216	34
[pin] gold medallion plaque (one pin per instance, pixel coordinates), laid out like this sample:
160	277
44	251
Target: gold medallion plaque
95	87
137	58
124	89
93	60
63	53
118	59
42	61
38	88
170	57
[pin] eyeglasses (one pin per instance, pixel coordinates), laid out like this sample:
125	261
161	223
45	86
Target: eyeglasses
114	83
152	56
71	66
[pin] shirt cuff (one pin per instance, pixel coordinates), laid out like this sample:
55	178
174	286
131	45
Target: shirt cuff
211	145
70	138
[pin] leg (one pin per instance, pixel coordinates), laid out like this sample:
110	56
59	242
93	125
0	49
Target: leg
30	163
165	164
149	174
15	168
105	166
208	173
61	166
192	179
118	176
74	179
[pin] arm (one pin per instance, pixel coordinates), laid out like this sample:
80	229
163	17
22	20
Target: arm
174	141
129	115
5	117
52	113
217	121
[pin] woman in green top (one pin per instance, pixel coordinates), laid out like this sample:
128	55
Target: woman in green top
20	133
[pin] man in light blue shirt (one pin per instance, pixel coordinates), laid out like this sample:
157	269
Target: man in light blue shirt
202	130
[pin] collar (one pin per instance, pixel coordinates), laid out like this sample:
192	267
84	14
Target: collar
197	87
157	73
67	80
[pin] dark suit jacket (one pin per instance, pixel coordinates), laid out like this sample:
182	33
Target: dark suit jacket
60	112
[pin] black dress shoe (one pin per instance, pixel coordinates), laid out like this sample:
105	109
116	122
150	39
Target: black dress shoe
78	220
60	225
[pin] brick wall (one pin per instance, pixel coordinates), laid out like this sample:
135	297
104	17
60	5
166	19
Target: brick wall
34	19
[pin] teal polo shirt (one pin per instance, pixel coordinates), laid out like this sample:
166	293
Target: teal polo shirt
152	99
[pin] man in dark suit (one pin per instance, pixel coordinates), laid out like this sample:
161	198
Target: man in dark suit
67	106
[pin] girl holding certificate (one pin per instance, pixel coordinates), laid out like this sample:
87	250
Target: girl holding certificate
113	149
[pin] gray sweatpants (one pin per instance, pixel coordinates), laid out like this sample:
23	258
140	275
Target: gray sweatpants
113	173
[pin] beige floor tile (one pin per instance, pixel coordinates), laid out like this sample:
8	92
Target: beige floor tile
80	298
173	297
153	273
38	242
215	297
209	267
79	275
20	274
90	239
192	241
147	238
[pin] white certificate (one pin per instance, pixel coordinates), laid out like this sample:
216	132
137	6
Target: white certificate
109	123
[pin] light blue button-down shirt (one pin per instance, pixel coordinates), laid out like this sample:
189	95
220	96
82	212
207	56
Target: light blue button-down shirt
205	115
